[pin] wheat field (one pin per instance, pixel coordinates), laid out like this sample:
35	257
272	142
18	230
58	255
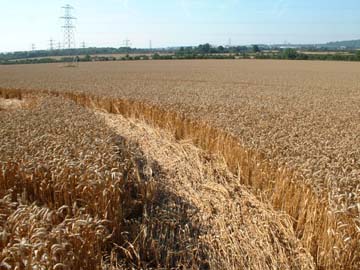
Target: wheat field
288	134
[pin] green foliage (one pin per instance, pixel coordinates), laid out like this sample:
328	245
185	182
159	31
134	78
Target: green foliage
156	56
203	51
68	52
255	48
221	49
292	54
358	55
289	54
87	58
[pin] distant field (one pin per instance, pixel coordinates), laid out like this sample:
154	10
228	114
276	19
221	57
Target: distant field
327	53
290	130
119	55
250	55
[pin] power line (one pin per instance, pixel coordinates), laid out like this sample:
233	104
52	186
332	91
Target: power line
69	35
33	47
150	44
59	45
127	42
51	44
83	45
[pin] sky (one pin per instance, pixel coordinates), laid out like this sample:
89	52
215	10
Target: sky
168	23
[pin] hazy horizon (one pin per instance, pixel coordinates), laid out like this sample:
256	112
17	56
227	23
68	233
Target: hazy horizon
179	23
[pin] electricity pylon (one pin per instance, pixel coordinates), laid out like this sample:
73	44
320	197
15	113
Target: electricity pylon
69	34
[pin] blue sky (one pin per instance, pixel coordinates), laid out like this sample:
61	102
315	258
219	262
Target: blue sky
179	22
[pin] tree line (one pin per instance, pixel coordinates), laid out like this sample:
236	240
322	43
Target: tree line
293	54
202	51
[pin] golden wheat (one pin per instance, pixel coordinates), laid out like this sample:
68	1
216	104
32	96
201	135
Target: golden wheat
75	195
290	129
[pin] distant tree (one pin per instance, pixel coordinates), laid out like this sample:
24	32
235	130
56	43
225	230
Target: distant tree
358	55
256	48
220	49
289	54
240	49
302	56
156	56
204	48
87	58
